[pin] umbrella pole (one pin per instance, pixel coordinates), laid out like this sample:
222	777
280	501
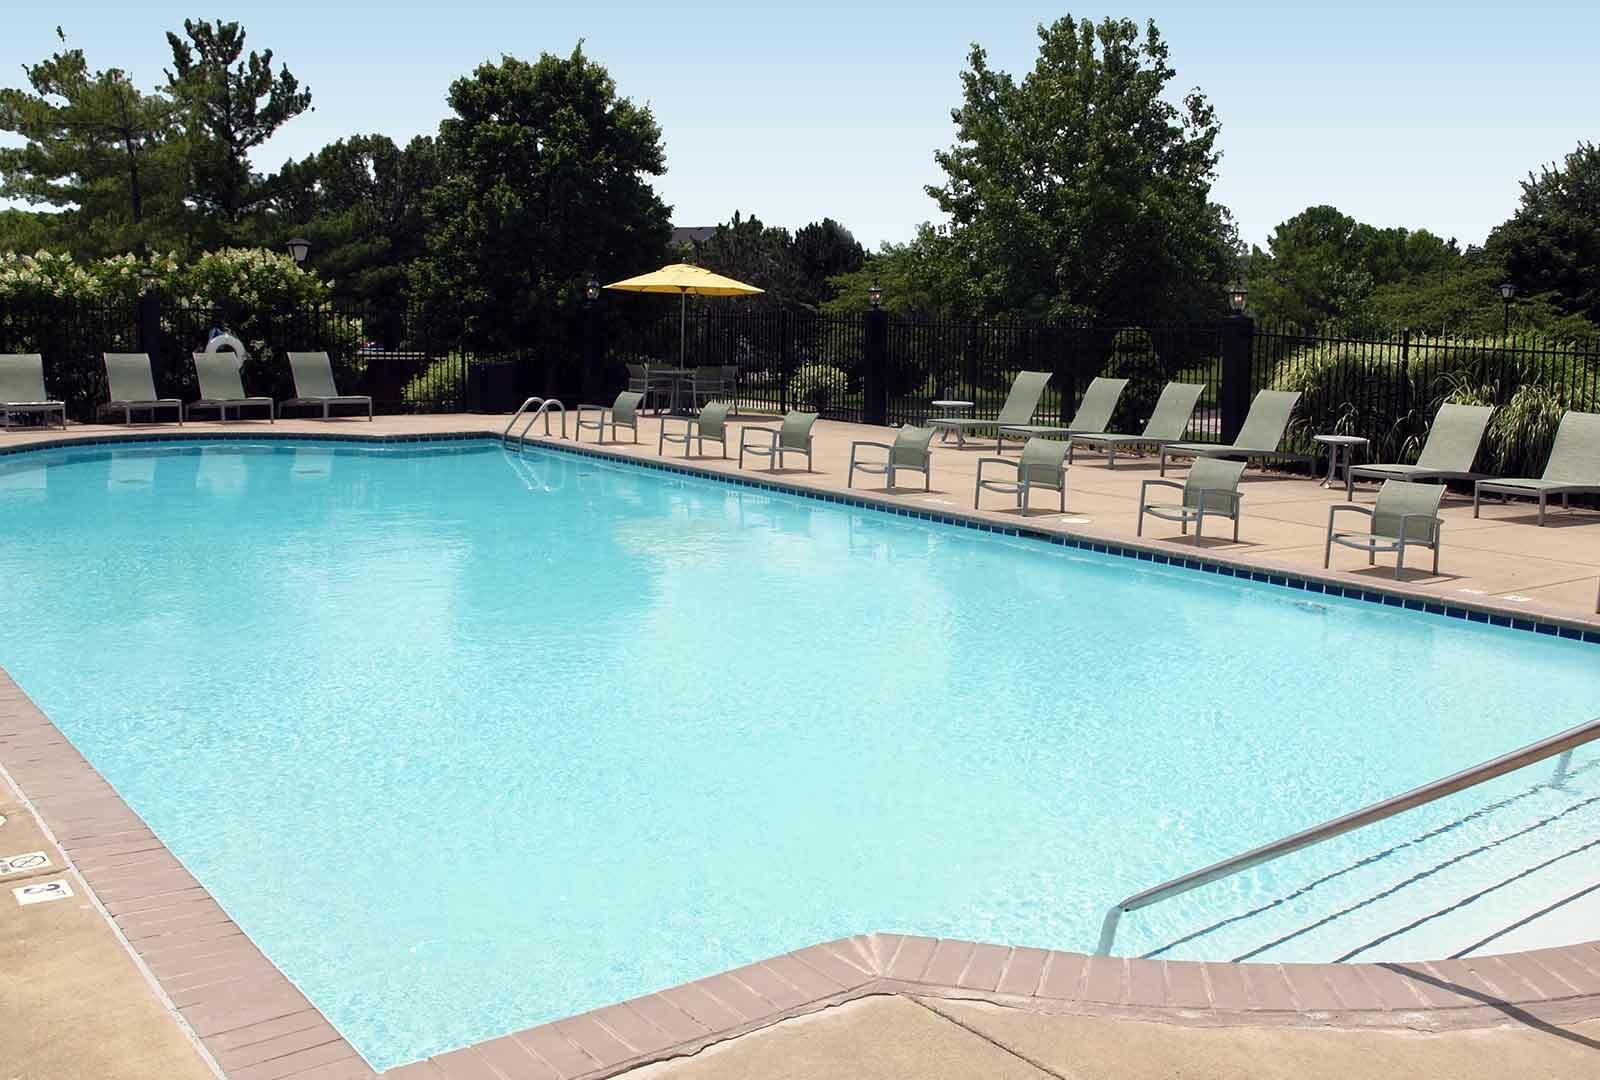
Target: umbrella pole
683	318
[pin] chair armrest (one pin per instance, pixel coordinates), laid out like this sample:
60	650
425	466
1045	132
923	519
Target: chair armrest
592	408
1152	482
1337	508
1435	522
1227	493
770	432
1016	466
867	442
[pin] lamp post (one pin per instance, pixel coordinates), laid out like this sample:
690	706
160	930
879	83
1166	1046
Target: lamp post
1237	295
591	290
299	248
875	295
1507	292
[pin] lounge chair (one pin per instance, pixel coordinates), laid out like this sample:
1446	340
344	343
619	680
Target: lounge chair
22	388
1259	438
1021	400
1212	487
1042	465
622	413
712	423
222	389
793	436
910	452
1405	514
1094	413
1166	424
1447	455
314	385
1572	469
134	387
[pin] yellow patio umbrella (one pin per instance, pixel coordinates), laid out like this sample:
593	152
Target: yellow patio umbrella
683	279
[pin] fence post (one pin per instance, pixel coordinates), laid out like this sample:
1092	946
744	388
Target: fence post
1233	396
875	403
591	352
1405	371
149	316
784	367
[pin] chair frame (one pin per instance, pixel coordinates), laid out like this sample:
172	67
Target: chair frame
774	451
1021	487
324	402
888	467
1184	514
1373	544
691	433
607	414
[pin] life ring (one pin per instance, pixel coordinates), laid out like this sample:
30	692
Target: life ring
228	341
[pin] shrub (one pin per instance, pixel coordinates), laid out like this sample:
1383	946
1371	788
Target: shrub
1133	356
813	386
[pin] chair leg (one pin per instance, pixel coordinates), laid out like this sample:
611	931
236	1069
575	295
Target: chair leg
1327	550
1139	529
1541	509
1477	497
1400	557
1236	527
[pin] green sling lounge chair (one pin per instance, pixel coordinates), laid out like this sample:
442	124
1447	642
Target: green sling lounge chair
1094	413
222	389
314	385
133	387
22	388
793	436
1021	400
1447	455
911	451
712	423
1259	438
1572	469
1212	487
1405	514
1042	465
1166	424
622	413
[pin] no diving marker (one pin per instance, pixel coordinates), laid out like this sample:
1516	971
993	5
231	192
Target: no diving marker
22	864
42	892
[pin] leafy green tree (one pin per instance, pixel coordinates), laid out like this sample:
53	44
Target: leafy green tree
360	203
546	181
823	250
95	147
1551	245
1082	189
749	251
916	279
232	103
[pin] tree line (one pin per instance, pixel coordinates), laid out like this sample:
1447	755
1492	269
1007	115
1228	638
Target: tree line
1081	189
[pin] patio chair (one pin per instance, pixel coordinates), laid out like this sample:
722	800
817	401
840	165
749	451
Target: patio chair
1042	465
1021	400
712	423
1406	514
703	384
1212	487
22	389
133	387
221	387
793	436
1094	413
1260	437
1573	467
1447	454
911	451
1167	424
622	413
640	381
313	384
730	384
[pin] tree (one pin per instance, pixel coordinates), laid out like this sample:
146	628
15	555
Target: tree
823	250
232	104
918	278
1082	190
746	250
1551	245
546	181
95	147
360	203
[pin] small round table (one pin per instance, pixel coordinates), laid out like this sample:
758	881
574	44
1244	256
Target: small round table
1335	443
951	409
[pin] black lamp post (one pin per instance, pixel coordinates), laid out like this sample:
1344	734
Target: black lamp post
1237	295
875	295
591	290
1507	292
299	248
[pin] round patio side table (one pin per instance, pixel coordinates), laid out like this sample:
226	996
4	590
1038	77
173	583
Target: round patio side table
951	409
1336	443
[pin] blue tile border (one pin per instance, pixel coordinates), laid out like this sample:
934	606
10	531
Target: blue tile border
1204	564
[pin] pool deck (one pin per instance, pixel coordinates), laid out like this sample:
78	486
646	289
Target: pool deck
142	973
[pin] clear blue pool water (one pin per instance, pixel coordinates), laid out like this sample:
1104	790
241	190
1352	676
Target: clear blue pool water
468	740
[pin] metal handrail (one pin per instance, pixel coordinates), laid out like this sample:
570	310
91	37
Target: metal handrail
545	405
1562	744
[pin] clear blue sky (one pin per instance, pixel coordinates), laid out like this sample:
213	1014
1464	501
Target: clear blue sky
1416	114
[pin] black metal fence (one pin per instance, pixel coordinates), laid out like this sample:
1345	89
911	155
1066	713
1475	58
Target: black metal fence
870	367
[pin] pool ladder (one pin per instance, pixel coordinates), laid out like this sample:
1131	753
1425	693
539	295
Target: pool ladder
541	407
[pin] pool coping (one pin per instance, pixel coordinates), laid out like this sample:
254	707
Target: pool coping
1537	618
256	1024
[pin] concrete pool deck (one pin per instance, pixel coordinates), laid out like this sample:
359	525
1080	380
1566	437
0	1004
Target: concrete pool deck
160	981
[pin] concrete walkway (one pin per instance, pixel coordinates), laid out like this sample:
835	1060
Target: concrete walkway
913	1038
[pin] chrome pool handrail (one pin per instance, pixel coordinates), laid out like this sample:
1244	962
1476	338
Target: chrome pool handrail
1562	744
544	407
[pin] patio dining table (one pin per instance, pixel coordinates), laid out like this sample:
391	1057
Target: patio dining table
677	375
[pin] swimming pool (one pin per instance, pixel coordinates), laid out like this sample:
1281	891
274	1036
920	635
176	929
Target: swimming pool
467	739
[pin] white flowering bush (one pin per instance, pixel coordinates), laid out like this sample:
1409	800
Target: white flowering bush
232	279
